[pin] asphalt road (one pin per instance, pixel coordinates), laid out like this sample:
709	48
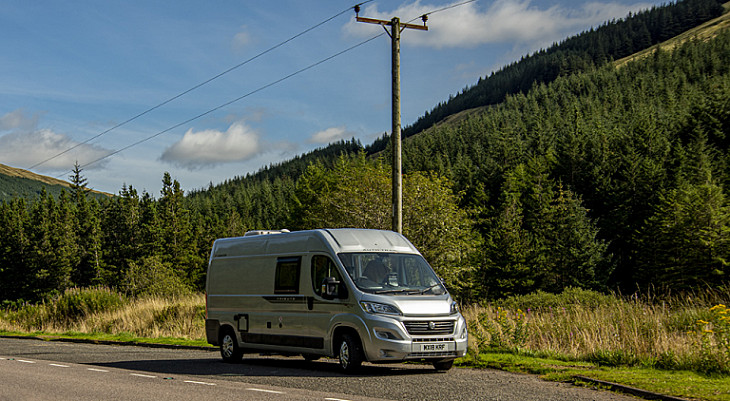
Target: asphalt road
52	370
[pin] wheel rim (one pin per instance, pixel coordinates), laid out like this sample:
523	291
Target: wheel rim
227	346
344	355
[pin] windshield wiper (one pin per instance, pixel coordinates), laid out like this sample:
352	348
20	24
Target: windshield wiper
431	288
403	291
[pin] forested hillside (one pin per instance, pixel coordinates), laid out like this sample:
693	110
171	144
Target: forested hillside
21	183
611	41
604	178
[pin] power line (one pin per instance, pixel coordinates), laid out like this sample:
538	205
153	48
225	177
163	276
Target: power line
445	8
309	67
239	65
260	88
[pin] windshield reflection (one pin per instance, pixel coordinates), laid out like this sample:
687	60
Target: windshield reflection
391	273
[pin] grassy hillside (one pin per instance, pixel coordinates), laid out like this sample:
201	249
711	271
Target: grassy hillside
20	173
703	32
16	182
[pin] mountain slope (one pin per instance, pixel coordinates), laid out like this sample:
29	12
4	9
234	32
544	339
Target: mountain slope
18	182
705	31
612	40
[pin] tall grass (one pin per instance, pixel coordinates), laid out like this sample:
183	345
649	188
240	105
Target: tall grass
103	311
689	331
682	331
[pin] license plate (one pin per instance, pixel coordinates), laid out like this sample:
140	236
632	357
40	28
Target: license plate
434	347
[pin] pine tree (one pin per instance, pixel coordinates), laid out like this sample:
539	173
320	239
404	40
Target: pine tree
178	247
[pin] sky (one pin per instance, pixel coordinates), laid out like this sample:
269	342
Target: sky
209	91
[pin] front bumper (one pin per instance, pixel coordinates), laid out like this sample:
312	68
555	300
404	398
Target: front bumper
389	339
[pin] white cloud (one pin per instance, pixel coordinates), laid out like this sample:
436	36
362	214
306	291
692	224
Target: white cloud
505	21
212	147
17	120
24	148
330	135
241	39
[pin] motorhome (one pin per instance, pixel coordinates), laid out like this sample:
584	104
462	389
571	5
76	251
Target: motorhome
353	294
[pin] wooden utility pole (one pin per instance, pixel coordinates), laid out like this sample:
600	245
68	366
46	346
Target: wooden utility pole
396	27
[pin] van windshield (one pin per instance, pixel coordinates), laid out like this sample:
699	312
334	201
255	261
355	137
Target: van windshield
392	273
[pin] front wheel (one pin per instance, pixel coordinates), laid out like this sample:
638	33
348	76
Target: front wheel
350	355
230	351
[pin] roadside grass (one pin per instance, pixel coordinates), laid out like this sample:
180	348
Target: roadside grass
102	313
677	383
683	332
674	345
126	338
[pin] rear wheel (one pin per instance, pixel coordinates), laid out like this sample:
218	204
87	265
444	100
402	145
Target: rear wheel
350	354
230	351
443	366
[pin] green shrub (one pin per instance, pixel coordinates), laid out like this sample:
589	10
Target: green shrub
30	317
570	297
152	276
77	303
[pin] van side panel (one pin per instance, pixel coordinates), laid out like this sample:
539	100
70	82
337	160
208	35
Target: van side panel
241	275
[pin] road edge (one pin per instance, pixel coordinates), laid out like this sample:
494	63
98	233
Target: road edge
645	394
112	342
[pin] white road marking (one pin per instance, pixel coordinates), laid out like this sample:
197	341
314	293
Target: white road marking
97	370
141	375
335	399
264	391
58	365
194	382
24	361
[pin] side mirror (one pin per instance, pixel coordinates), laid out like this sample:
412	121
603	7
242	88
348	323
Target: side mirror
332	289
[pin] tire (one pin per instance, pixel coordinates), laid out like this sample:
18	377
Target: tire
443	366
350	353
231	352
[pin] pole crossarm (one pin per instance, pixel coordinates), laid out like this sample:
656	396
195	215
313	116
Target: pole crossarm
389	23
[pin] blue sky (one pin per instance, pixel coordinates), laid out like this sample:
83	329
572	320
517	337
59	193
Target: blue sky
72	70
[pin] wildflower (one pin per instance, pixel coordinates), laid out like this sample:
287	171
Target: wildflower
720	306
700	321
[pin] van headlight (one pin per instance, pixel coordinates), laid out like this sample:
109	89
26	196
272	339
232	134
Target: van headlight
454	308
374	307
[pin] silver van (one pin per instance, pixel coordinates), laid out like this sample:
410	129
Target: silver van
358	295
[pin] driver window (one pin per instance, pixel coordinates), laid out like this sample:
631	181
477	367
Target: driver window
323	267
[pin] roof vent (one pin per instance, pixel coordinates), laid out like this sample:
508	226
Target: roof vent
265	232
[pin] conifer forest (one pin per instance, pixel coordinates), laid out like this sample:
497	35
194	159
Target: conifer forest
574	173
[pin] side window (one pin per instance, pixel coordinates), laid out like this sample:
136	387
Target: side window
323	267
287	275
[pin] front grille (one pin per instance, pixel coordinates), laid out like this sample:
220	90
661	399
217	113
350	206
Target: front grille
433	340
430	327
